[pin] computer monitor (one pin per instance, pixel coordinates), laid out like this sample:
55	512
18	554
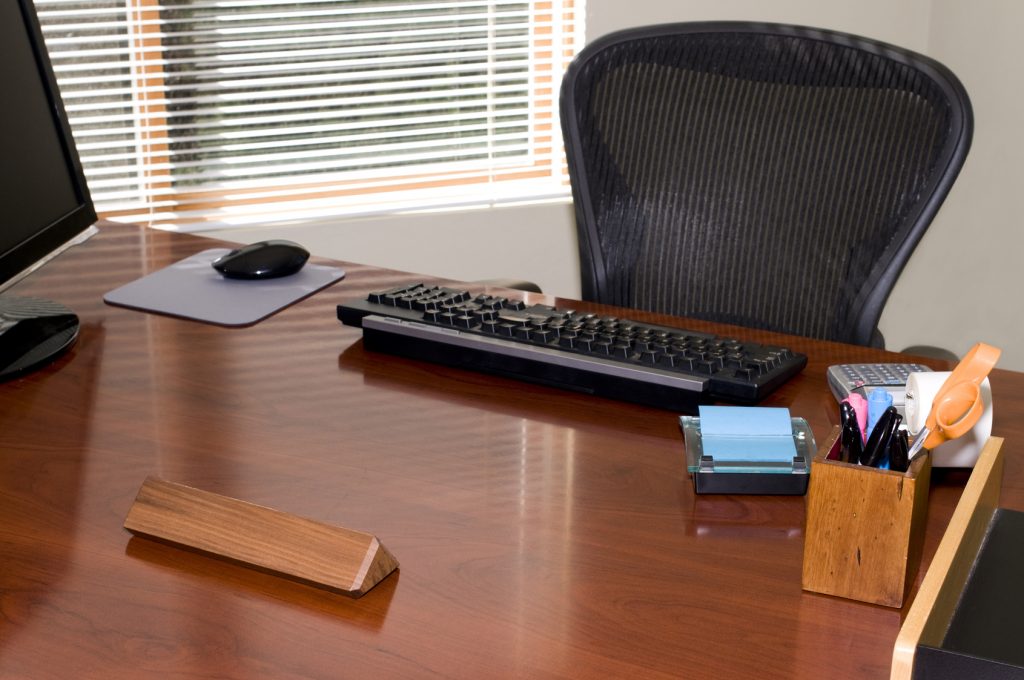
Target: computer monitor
45	204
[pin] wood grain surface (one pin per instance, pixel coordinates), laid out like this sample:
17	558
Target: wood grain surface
335	558
863	530
542	533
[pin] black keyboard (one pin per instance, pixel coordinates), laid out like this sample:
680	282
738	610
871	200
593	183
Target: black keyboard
612	357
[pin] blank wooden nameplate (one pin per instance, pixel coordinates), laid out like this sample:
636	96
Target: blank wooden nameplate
337	559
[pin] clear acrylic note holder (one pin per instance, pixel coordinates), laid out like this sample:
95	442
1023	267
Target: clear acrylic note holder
749	476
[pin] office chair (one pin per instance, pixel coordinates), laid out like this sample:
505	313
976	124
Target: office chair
771	176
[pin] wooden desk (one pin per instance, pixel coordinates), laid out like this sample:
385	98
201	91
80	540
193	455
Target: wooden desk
541	534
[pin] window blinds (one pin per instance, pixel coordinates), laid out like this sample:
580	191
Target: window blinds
194	114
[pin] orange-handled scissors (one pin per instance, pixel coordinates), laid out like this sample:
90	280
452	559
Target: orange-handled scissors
957	405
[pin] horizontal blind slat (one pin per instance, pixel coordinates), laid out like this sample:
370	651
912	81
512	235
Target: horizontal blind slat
180	107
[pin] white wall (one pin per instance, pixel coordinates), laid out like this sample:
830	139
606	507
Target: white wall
960	285
903	22
963	282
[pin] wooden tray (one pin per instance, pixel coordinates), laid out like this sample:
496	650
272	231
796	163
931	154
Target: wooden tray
966	619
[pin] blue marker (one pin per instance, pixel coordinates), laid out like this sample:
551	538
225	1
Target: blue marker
878	400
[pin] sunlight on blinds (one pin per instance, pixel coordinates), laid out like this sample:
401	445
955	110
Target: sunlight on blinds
193	114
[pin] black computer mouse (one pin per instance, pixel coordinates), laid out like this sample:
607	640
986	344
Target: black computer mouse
263	260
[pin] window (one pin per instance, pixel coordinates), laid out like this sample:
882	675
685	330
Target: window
196	114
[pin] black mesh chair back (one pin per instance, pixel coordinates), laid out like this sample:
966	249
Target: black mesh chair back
776	177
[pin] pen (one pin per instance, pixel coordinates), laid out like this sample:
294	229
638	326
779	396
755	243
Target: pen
878	401
851	444
881	440
860	407
899	459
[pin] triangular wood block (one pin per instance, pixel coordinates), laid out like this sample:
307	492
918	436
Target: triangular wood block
325	556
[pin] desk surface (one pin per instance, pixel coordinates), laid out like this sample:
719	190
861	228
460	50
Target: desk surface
541	534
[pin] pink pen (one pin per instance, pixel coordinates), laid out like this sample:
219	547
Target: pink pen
860	407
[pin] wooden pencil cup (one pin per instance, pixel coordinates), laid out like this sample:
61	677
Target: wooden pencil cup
864	527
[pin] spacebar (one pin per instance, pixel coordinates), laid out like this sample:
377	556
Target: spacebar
538	353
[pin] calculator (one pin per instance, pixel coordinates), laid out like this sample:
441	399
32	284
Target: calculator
862	378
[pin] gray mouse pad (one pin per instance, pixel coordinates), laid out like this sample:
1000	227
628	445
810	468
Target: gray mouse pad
192	289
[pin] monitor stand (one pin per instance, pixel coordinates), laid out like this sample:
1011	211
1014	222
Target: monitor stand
33	332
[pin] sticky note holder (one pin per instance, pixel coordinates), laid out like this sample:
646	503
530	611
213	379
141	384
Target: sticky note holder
748	475
865	527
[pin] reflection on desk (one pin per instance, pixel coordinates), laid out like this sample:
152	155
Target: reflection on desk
540	533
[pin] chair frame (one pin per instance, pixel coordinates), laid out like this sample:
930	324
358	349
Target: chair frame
870	300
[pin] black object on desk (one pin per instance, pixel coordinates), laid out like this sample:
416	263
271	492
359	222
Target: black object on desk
661	366
263	260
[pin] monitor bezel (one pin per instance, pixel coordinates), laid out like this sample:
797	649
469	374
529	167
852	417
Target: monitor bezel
25	256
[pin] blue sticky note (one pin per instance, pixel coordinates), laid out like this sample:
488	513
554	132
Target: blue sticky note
747	433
